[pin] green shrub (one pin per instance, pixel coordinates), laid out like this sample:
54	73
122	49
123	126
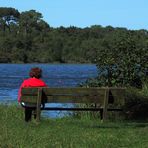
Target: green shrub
136	103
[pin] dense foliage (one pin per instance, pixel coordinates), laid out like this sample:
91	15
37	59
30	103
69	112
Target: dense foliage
120	54
122	60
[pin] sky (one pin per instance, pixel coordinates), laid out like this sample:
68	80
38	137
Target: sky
130	14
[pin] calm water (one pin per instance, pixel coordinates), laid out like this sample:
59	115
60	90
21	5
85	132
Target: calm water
55	75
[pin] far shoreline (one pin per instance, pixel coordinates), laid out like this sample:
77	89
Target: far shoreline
54	63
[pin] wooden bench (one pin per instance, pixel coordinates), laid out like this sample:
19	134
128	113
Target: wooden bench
106	99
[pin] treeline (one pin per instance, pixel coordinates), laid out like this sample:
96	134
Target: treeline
26	38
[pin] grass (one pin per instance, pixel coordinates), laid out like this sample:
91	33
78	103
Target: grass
144	90
68	132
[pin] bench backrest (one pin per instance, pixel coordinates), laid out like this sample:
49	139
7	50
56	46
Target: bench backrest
74	95
102	96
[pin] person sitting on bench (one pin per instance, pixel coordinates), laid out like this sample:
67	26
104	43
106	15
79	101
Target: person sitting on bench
34	81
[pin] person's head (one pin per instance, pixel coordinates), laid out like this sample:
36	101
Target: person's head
35	72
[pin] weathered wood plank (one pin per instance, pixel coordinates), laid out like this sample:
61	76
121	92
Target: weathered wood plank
29	99
79	109
71	109
33	91
106	96
38	109
64	99
62	96
74	91
49	91
75	99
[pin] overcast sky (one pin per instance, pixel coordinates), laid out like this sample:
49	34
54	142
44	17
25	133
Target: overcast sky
132	14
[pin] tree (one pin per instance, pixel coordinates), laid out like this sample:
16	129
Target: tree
8	16
122	60
29	21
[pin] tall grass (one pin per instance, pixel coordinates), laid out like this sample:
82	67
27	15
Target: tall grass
136	105
67	132
144	90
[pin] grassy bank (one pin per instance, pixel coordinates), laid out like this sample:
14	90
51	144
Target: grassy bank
68	132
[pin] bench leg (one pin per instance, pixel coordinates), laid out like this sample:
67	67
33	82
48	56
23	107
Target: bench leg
34	113
104	117
106	96
101	114
38	115
38	109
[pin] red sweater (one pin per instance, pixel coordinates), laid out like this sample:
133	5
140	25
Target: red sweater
31	82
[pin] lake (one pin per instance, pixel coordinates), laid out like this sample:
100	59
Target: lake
55	75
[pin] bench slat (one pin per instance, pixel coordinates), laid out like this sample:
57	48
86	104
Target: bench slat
64	99
49	91
29	99
30	91
80	109
74	99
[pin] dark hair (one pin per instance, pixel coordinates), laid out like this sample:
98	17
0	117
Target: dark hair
35	72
